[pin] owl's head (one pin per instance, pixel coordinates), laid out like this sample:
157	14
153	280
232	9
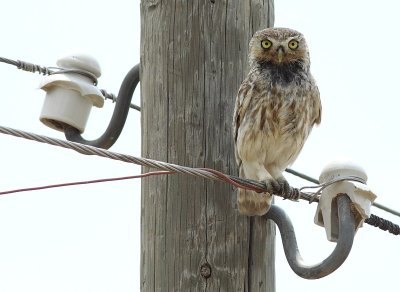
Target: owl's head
278	46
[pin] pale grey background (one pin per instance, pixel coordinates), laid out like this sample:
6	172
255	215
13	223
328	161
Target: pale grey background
86	238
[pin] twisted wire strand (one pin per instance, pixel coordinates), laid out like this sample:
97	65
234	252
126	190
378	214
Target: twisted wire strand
294	194
383	224
26	66
33	68
30	67
206	173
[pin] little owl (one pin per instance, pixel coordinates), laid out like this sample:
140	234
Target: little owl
276	107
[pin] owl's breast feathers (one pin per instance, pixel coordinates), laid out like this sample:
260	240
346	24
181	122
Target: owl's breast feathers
274	118
293	72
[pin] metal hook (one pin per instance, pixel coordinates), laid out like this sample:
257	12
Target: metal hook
118	118
347	227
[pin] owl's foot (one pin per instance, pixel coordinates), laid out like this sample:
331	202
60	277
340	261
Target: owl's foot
284	187
286	191
273	186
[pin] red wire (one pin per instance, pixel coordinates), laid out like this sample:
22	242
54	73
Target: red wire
217	173
86	182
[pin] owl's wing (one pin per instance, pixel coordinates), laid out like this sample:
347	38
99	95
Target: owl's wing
317	106
242	103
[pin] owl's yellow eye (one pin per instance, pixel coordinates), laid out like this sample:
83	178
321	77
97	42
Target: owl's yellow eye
293	44
266	44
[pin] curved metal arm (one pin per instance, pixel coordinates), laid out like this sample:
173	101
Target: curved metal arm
338	256
118	118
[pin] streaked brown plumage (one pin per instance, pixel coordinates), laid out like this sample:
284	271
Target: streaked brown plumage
276	107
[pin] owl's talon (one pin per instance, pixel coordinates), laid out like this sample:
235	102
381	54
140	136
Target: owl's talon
284	186
273	186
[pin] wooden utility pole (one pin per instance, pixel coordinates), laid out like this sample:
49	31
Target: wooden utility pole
193	59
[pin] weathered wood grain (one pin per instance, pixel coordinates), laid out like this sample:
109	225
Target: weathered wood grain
193	59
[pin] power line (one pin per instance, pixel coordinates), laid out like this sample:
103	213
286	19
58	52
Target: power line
387	209
303	176
294	194
33	68
200	172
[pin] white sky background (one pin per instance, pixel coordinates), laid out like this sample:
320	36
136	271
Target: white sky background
86	238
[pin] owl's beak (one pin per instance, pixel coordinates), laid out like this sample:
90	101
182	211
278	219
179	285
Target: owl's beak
280	53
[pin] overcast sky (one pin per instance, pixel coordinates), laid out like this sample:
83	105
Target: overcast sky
86	238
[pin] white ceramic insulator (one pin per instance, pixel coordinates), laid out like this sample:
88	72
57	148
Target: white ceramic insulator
70	96
80	61
358	192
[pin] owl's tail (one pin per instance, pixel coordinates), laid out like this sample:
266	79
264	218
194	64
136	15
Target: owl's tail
251	203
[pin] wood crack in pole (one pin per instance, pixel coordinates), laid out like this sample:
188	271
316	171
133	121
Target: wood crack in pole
193	59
